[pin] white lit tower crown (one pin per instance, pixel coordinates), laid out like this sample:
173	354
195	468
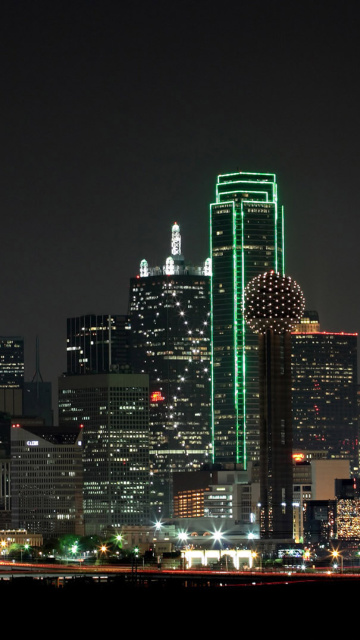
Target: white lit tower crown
273	304
175	263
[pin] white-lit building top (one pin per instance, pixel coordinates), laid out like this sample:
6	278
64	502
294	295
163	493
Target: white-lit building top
175	263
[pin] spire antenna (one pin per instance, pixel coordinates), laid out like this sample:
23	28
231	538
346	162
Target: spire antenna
175	240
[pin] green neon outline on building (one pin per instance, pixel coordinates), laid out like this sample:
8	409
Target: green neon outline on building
238	207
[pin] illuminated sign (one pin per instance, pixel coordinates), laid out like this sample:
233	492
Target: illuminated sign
298	457
32	443
156	397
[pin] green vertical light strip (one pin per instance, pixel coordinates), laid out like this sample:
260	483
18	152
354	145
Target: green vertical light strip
276	238
235	343
240	189
212	346
275	225
283	239
243	335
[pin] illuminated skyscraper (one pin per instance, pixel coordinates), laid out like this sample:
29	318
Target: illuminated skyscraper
324	400
169	313
114	411
247	239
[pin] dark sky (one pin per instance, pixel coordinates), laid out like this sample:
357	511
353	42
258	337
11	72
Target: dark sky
116	119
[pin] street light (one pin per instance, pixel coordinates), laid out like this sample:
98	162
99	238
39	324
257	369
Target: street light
3	547
182	536
24	547
336	554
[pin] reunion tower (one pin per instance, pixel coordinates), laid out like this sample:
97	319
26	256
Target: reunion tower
273	304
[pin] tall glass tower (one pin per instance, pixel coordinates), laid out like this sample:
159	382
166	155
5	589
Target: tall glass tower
247	239
169	310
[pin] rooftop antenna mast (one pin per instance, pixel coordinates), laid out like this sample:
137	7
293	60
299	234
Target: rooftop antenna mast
37	377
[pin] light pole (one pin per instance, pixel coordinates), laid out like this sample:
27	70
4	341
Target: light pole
336	554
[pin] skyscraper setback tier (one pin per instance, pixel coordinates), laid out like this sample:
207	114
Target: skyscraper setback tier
97	344
247	239
169	315
324	384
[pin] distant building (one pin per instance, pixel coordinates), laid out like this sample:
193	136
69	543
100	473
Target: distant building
323	477
228	495
169	311
114	411
37	400
348	509
11	362
97	344
46	480
324	393
11	374
5	463
320	522
309	323
314	479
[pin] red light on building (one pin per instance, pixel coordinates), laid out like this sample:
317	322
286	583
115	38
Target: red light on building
298	457
156	396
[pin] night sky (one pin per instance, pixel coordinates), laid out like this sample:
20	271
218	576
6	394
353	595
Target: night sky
117	118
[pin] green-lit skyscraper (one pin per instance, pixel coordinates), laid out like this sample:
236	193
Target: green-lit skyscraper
247	238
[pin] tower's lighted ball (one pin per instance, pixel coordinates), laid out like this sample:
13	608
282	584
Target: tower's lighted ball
273	301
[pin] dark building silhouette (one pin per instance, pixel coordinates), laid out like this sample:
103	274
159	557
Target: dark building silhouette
320	522
37	400
97	344
273	304
37	396
5	466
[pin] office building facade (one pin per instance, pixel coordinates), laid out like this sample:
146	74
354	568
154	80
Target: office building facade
11	374
324	394
11	362
247	239
113	410
97	344
46	480
169	312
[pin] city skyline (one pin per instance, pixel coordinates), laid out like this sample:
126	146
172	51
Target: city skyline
90	117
